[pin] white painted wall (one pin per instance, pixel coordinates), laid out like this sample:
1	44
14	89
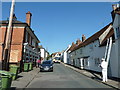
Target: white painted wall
116	65
42	53
95	52
65	55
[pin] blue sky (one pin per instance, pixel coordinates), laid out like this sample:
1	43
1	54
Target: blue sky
59	24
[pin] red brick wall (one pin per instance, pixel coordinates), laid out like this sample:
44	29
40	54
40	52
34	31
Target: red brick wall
0	52
17	35
2	35
17	40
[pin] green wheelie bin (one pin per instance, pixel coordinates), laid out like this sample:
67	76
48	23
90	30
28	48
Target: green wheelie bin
6	79
30	66
14	69
26	67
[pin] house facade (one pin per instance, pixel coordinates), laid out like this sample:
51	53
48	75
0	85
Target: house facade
116	26
43	53
65	55
88	54
24	43
56	55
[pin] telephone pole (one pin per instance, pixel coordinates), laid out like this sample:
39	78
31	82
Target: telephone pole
6	55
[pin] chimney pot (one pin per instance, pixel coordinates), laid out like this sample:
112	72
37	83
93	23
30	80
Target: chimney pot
28	18
72	43
83	38
78	41
114	6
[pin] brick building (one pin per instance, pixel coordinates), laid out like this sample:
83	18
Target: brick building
24	42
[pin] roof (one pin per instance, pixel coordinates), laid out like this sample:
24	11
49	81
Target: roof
94	37
72	47
110	34
18	23
14	21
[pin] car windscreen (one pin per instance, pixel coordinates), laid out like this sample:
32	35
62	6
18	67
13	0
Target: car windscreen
47	62
57	58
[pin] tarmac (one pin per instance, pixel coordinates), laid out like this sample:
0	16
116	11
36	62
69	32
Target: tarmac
24	78
112	82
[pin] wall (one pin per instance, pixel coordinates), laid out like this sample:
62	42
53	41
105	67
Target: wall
116	65
113	64
17	44
2	35
96	53
42	53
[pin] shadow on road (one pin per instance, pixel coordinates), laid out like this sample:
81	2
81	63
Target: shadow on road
12	88
95	76
19	76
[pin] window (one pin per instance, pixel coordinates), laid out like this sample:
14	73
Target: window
91	47
97	61
36	44
33	42
26	37
118	32
81	51
86	62
75	52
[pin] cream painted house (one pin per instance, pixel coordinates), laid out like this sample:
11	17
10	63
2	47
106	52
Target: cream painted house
65	55
116	26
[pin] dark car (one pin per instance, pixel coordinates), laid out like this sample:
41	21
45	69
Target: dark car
46	65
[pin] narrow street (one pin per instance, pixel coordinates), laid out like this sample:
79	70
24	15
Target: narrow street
63	77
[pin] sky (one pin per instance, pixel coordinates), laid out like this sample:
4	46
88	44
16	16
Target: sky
58	24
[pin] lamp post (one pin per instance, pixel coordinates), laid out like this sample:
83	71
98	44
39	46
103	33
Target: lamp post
6	54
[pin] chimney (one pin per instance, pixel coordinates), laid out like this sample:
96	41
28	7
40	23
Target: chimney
114	6
73	43
28	18
78	41
83	38
14	17
116	9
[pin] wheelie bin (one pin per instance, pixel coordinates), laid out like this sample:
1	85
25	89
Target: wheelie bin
6	79
30	66
14	69
26	67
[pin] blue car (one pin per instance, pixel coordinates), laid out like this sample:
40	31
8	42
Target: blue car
46	65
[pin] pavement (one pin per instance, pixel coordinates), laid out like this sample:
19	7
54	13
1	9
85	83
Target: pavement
112	82
24	78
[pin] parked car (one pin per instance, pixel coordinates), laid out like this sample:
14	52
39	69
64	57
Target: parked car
46	65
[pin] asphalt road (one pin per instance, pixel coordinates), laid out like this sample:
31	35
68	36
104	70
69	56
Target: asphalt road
63	77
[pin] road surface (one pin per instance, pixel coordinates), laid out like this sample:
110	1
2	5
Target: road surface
63	77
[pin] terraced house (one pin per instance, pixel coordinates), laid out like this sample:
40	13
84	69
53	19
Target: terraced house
89	53
24	42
